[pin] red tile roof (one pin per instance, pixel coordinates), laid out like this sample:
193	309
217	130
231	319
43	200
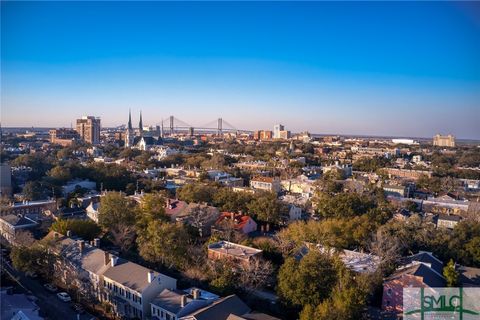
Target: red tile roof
240	219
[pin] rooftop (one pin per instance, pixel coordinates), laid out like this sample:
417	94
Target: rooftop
18	221
234	249
132	275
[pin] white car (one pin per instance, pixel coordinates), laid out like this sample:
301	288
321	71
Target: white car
64	297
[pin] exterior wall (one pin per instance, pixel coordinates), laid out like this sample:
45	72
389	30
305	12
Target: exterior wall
250	226
392	299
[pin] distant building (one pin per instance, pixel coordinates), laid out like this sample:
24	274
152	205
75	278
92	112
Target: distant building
448	221
88	128
396	191
266	183
444	141
406	173
345	169
5	179
63	137
29	207
284	134
11	224
263	135
276	130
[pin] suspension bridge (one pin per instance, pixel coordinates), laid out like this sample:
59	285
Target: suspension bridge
220	125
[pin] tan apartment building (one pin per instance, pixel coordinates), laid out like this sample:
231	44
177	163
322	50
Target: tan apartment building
88	128
444	141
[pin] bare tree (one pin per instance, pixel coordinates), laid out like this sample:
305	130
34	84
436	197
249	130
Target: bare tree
23	238
255	274
123	236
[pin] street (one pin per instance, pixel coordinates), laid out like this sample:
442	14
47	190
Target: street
48	302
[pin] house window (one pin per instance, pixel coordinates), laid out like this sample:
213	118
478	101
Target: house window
389	292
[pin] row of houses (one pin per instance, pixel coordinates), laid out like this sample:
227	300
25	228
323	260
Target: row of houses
135	291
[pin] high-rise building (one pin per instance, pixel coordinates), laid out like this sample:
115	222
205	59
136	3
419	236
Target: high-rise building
88	128
444	141
276	130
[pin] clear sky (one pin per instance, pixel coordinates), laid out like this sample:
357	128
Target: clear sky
385	68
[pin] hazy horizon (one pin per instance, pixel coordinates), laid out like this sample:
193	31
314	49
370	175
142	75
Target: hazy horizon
406	69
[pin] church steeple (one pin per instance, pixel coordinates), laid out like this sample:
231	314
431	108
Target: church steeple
129	120
140	124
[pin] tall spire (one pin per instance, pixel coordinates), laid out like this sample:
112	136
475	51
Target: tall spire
140	124
130	120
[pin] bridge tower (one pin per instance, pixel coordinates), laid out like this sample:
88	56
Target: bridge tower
219	126
171	124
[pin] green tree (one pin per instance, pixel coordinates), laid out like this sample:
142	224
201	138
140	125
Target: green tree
164	243
266	207
33	190
33	259
342	204
151	208
85	229
116	209
197	193
309	281
450	274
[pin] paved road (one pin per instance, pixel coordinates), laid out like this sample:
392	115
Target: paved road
48	302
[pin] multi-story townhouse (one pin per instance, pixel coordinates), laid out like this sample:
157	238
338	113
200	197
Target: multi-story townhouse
127	286
266	183
130	288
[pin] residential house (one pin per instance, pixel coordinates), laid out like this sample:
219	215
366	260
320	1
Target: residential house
130	287
221	309
236	222
11	224
344	169
271	184
93	210
237	253
18	307
175	304
448	221
127	286
29	207
422	270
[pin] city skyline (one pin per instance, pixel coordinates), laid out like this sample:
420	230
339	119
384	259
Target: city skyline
396	69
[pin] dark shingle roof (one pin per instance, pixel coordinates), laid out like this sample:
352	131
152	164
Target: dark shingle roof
430	277
425	257
222	309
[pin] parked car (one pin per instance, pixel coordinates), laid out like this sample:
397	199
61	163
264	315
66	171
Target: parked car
32	275
64	297
50	287
78	308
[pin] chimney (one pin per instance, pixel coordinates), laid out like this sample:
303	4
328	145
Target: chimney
196	293
150	276
55	235
183	301
232	215
106	257
69	233
113	260
81	245
96	242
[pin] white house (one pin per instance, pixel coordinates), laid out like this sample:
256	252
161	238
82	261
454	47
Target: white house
92	210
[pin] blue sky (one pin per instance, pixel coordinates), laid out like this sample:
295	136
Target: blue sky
386	68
